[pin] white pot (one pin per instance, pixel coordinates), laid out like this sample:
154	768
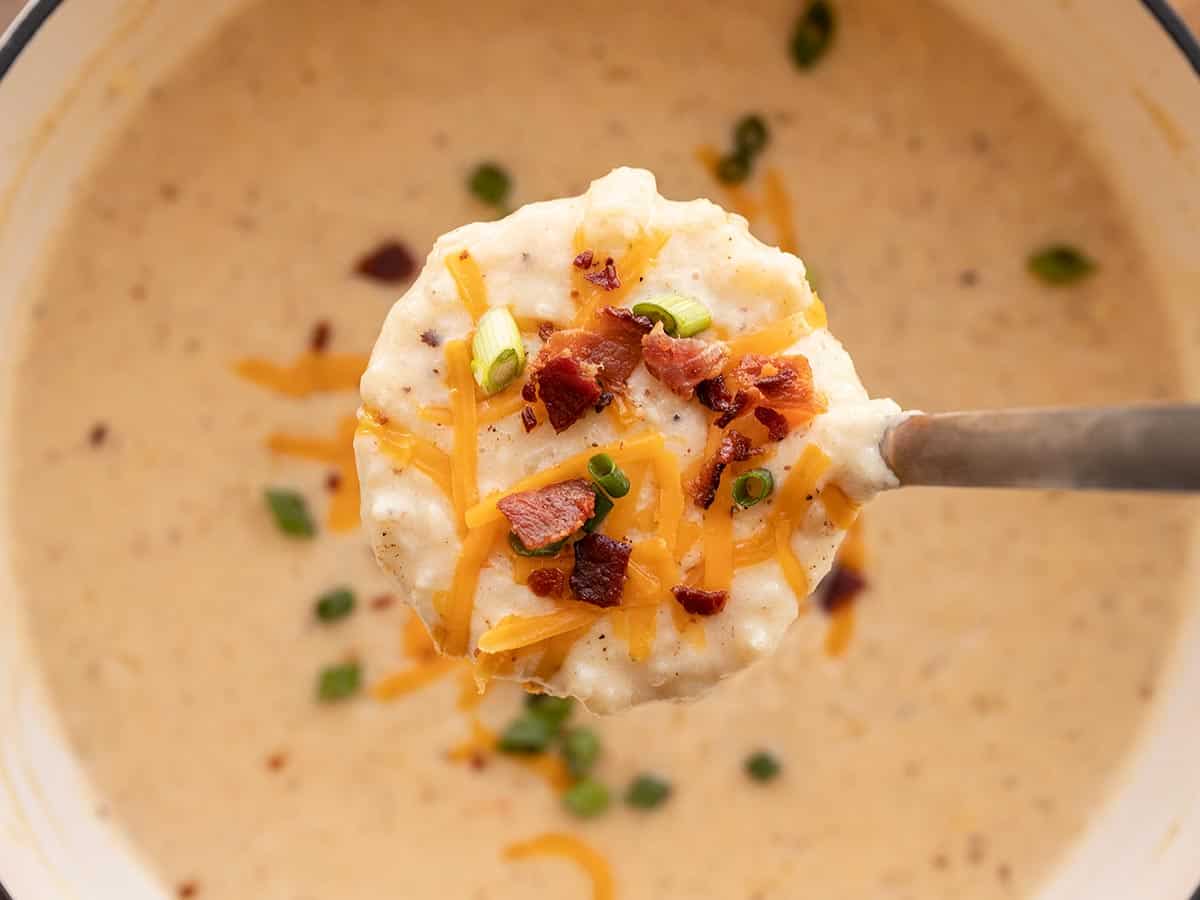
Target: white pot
70	72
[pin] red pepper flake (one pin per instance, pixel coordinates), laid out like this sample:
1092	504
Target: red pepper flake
318	339
276	761
98	434
549	514
547	582
699	602
545	329
606	278
775	421
389	263
431	338
840	587
333	482
584	260
529	419
599	574
381	602
477	761
187	889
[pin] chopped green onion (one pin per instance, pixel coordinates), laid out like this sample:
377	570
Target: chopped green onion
527	734
521	550
813	34
490	184
681	316
603	508
1060	264
338	682
733	168
762	766
647	792
497	354
555	710
606	473
750	135
751	487
291	512
586	798
580	749
335	604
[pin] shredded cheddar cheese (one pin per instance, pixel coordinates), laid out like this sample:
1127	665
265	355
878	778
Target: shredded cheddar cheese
639	447
631	266
572	848
839	509
309	373
459	603
779	210
515	632
487	412
469	280
670	497
339	453
405	449
462	404
739	199
413	678
841	630
779	336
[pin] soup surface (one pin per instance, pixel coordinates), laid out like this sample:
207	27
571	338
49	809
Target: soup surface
1008	644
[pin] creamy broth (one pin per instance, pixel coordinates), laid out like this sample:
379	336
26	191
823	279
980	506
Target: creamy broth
1008	645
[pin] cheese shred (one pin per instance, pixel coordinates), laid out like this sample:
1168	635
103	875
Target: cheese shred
571	848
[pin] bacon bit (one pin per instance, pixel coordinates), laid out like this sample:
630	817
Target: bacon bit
333	482
699	602
682	363
529	419
98	434
545	329
547	582
551	513
839	588
276	761
607	278
599	574
187	889
735	447
785	381
776	422
529	392
318	340
713	394
567	389
584	260
431	338
380	602
389	263
606	398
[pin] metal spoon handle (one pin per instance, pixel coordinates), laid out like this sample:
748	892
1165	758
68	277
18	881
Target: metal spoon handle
1130	448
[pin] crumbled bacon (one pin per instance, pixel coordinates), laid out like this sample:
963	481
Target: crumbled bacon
838	588
699	602
606	278
529	392
528	419
547	582
584	260
734	447
389	263
785	382
682	363
568	389
545	329
549	514
775	421
431	338
713	394
606	399
599	574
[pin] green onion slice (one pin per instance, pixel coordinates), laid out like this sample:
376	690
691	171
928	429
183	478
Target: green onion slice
647	792
335	604
606	473
338	682
681	316
490	184
734	168
762	766
291	512
497	354
603	508
750	135
555	710
813	34
1060	264
521	550
580	750
527	734
586	798
751	487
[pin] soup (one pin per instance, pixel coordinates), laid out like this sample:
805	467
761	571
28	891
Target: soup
1006	648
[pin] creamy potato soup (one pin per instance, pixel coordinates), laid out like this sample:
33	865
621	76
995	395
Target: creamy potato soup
251	698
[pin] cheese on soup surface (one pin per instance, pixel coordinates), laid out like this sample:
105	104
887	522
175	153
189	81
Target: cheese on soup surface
608	445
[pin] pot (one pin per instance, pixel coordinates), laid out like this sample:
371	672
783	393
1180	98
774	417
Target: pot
72	72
